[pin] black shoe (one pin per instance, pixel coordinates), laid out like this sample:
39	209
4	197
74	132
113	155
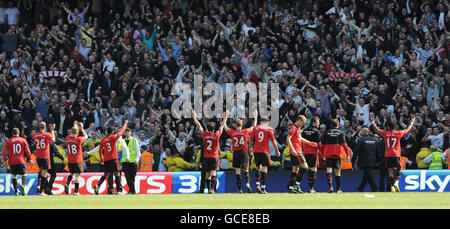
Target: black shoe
66	189
359	189
264	191
311	190
298	189
258	189
292	191
96	189
249	189
330	190
239	191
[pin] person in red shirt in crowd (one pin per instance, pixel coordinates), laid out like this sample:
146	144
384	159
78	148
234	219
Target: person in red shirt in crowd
393	150
42	141
75	156
211	149
240	150
295	142
261	135
332	141
15	150
108	155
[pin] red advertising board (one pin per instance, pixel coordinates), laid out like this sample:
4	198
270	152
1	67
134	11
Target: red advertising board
145	183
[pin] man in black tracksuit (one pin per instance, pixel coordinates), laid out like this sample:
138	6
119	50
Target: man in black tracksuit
366	156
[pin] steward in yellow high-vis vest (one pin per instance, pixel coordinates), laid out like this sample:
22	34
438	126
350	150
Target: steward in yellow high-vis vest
129	166
434	159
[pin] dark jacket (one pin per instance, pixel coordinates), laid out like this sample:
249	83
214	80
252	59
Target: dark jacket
365	153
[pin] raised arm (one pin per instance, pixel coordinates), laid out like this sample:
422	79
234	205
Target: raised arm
375	127
122	130
52	132
411	124
197	123
224	120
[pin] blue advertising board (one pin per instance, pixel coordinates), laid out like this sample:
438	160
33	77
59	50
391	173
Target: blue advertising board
425	181
6	186
189	182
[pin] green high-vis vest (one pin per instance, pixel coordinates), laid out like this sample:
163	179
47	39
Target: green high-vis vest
436	161
132	147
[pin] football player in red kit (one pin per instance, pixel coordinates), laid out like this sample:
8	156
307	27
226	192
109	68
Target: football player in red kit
260	136
295	142
393	150
42	141
211	149
15	150
240	150
108	154
75	156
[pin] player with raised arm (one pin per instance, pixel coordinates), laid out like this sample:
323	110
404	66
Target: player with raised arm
75	156
295	142
42	141
393	150
211	149
15	149
240	150
125	150
260	136
108	154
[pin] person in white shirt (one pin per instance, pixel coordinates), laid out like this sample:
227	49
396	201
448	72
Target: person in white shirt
247	26
12	13
109	63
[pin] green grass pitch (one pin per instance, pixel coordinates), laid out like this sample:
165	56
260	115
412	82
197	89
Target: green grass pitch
401	200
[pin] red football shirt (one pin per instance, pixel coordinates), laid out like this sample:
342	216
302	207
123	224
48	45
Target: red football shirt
295	134
108	147
15	149
261	135
240	138
42	142
74	150
211	144
392	142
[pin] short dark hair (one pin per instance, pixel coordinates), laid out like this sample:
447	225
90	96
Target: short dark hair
315	119
334	123
264	119
109	130
391	125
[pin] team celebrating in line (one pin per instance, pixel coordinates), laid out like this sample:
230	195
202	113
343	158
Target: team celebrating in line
304	147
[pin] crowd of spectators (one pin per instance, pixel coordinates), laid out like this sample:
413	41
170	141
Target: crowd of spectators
101	62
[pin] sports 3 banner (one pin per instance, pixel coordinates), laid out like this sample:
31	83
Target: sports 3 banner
145	183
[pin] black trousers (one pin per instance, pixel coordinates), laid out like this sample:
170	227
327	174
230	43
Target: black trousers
202	180
130	170
382	171
368	178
